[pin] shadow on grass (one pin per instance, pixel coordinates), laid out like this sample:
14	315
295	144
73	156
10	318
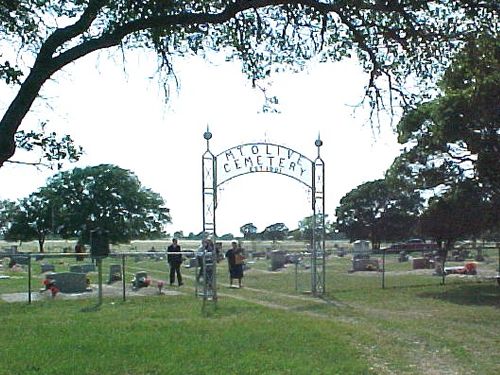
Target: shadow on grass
331	301
467	294
92	308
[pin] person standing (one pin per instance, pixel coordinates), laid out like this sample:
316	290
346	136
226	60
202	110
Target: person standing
174	259
79	249
205	258
235	262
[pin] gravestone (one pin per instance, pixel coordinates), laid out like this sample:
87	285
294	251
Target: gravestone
86	268
259	254
47	268
193	262
420	263
69	282
365	265
293	258
20	259
115	273
9	250
278	259
140	280
341	252
82	268
76	268
361	249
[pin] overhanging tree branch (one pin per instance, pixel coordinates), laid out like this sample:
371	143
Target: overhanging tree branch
103	24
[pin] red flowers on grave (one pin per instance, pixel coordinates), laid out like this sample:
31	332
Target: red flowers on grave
54	290
51	285
160	285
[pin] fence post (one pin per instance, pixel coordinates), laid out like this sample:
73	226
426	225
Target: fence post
123	276
383	268
99	280
296	276
498	274
29	278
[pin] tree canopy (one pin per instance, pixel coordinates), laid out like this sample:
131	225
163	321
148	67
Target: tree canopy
306	226
392	40
275	232
73	203
456	136
249	231
7	209
378	211
31	219
453	145
460	213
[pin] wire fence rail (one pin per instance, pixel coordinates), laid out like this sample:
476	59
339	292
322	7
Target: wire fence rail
289	274
21	265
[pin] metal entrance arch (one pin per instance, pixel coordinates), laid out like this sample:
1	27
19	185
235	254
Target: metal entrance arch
269	158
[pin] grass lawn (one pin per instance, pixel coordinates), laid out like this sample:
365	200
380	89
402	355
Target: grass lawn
413	326
169	336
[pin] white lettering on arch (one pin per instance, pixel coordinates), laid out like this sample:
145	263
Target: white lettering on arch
263	157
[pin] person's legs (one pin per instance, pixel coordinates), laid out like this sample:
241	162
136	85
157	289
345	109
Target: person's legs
200	269
172	274
179	276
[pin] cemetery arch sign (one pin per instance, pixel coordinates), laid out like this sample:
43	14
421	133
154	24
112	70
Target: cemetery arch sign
264	157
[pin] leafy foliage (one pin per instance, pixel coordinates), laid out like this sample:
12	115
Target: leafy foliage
249	231
53	150
454	145
275	232
9	74
32	220
76	202
306	226
179	234
391	39
457	135
378	211
7	210
459	213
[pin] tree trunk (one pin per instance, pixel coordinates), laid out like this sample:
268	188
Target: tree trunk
49	61
375	244
41	241
19	107
444	254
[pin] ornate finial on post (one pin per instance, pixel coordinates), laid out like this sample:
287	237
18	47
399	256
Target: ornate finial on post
207	135
318	143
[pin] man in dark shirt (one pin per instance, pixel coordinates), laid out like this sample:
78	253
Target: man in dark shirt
175	261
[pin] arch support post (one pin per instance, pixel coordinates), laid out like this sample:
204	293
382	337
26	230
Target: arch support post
318	255
209	198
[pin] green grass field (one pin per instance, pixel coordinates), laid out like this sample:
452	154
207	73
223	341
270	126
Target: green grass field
413	326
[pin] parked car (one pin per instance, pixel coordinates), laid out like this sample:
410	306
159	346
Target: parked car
412	245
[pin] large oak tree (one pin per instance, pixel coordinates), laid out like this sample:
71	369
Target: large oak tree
453	142
31	220
456	135
379	211
73	203
393	39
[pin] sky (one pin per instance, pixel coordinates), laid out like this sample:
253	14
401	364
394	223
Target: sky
119	114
